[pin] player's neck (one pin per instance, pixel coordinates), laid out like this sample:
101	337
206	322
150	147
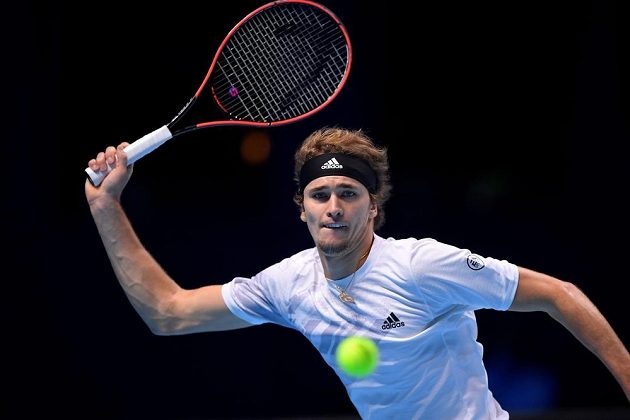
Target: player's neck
338	267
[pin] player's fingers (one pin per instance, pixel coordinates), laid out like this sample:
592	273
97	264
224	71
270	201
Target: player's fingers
93	165
110	155
121	158
101	165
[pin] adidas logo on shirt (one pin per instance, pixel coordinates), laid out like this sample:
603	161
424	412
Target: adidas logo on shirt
332	164
392	321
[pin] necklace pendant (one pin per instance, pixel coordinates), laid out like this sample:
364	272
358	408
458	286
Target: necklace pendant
344	297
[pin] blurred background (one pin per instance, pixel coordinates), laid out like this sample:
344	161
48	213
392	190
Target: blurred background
506	124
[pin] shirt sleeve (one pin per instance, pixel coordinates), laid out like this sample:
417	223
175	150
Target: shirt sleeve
448	276
256	299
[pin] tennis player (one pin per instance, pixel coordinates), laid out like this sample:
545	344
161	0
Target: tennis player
414	297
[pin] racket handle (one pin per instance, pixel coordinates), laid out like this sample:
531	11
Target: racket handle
135	151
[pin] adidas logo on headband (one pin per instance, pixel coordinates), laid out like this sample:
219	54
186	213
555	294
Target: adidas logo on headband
332	164
327	165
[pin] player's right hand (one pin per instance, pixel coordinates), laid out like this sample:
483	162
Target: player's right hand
114	183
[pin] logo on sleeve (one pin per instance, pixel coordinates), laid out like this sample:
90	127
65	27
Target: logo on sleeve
475	262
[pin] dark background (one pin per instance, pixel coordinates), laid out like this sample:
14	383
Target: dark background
506	124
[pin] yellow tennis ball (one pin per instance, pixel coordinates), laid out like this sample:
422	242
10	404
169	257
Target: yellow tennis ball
357	356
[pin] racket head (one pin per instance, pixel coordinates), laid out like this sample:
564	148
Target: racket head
283	62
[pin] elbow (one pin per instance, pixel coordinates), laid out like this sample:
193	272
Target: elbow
564	296
166	326
569	289
163	321
159	326
159	329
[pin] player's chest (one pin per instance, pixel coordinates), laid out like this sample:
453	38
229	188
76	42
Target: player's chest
376	307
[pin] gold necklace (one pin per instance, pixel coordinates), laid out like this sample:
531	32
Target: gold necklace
343	294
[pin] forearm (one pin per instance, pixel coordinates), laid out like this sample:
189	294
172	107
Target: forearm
580	316
148	287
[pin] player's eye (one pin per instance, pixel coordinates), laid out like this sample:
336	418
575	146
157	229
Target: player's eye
319	195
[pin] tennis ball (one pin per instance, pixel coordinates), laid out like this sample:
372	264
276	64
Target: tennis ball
357	356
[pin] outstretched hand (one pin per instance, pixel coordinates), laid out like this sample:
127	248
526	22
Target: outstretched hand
115	182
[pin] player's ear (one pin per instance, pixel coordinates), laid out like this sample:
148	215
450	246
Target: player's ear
302	215
373	210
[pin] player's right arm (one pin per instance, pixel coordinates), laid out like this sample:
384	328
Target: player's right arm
165	307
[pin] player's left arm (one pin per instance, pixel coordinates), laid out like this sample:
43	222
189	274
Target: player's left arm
568	305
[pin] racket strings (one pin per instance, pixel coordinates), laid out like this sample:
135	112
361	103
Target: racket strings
284	62
314	52
303	52
277	66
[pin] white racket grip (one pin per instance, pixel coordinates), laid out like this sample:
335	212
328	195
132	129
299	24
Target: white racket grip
136	150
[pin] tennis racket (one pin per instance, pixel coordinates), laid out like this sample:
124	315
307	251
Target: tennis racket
283	62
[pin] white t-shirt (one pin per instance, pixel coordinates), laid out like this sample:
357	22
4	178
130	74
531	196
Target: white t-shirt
415	299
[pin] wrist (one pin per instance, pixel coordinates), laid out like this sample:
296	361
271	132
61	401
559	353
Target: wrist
104	203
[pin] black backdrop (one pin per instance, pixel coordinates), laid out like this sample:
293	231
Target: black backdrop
505	123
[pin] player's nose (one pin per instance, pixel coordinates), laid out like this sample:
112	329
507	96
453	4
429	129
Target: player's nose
335	210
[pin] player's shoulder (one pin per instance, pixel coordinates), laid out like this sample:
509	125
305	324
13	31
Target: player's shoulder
303	257
296	262
426	248
408	243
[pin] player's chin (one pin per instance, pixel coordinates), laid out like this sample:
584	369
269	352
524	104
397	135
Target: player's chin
332	244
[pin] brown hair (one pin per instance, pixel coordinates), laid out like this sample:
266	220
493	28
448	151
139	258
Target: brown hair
351	142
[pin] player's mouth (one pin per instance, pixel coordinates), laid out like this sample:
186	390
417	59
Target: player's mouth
335	226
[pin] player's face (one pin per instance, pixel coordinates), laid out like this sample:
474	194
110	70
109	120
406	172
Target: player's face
339	214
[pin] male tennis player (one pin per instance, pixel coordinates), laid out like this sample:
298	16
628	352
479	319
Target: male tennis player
414	297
